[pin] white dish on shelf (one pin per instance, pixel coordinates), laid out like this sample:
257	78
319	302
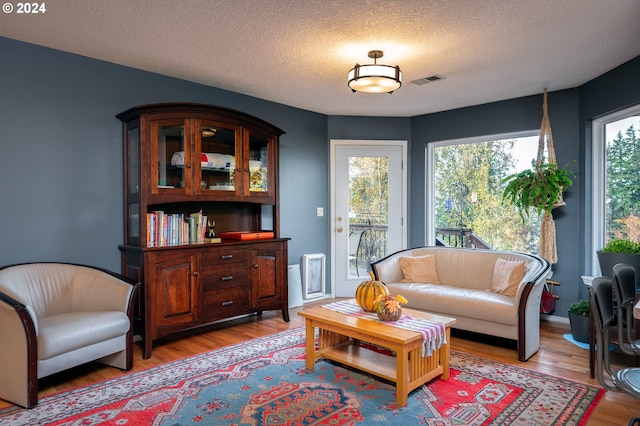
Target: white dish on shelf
222	187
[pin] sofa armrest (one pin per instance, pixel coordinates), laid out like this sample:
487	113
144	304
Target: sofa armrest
18	368
529	314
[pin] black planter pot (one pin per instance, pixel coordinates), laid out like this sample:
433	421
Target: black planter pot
579	327
608	260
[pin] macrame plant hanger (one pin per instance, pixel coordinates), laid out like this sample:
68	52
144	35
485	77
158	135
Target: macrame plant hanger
548	226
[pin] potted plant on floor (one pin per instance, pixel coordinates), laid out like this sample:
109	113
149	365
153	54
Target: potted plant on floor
579	320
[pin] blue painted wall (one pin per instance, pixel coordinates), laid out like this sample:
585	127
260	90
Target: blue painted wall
61	157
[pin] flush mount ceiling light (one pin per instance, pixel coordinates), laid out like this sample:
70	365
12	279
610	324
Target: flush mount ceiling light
374	78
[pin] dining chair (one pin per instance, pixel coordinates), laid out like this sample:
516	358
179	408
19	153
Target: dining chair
625	292
626	379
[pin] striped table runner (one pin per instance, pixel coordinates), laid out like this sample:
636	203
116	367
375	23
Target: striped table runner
434	333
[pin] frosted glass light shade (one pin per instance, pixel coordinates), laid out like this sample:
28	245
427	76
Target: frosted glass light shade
375	78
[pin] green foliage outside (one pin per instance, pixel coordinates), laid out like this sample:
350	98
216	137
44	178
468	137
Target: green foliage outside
480	168
623	186
369	182
369	204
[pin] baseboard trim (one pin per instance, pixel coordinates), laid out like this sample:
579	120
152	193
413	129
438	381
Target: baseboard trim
554	318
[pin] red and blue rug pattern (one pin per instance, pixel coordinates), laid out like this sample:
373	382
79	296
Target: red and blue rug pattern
265	382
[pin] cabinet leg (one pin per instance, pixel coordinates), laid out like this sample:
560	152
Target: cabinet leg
148	345
285	314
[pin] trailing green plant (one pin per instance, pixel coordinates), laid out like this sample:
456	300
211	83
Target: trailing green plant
621	246
581	308
539	187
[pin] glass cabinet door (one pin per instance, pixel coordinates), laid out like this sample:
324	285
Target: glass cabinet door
171	154
218	156
258	167
132	226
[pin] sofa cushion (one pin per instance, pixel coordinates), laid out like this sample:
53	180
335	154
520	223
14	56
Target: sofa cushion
419	269
67	332
459	302
507	275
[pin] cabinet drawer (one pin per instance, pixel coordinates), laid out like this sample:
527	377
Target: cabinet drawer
225	277
222	305
221	257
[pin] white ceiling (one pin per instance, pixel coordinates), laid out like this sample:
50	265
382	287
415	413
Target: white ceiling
298	52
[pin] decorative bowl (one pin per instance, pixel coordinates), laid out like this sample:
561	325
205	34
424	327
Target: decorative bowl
388	316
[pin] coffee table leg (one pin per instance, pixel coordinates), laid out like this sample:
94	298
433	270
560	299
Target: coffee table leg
310	345
402	377
445	353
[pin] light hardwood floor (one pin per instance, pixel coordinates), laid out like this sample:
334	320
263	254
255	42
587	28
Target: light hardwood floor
557	357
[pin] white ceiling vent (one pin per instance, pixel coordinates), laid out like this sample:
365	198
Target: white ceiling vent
426	80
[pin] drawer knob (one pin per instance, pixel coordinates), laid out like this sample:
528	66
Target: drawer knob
195	274
227	278
228	303
255	266
226	257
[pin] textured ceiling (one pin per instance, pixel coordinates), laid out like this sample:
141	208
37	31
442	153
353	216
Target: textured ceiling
298	52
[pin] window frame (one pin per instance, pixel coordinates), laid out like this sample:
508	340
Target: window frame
598	169
430	221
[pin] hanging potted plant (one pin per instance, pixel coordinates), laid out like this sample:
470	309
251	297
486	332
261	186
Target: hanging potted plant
540	187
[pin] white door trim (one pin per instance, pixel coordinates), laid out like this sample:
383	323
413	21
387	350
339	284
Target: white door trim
332	181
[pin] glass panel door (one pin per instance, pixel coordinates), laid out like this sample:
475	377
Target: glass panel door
217	157
171	156
133	190
258	164
369	191
368	212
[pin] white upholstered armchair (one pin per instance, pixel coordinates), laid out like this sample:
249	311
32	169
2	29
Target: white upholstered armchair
54	316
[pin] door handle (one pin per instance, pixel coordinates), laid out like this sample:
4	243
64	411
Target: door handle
339	229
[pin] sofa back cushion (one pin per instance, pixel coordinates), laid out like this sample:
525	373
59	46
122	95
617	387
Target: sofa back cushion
507	276
468	268
419	269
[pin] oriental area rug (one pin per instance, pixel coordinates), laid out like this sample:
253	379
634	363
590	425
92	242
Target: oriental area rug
264	382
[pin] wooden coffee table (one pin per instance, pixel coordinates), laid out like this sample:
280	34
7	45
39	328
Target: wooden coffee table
339	335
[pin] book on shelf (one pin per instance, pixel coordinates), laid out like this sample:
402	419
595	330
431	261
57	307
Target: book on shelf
168	229
247	235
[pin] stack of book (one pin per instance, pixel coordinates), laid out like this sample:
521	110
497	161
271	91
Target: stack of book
169	229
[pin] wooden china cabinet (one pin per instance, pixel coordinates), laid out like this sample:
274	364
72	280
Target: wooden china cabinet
191	160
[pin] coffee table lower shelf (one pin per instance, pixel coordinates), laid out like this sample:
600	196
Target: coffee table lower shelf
339	339
380	365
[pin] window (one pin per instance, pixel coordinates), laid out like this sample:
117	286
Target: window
464	203
616	181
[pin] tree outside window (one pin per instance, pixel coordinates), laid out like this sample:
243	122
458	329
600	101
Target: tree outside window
468	191
622	179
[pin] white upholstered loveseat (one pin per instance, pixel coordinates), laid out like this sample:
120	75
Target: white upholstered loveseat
486	291
54	316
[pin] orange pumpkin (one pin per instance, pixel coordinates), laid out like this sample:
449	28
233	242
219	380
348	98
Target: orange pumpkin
367	292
